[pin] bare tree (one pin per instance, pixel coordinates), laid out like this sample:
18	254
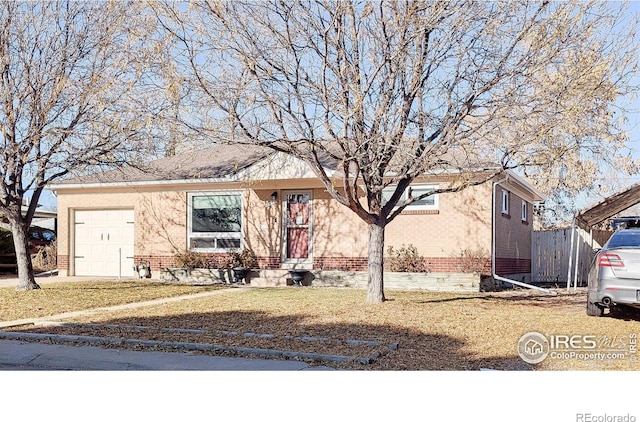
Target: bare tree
394	90
68	74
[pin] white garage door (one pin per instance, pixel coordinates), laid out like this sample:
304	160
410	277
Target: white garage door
104	243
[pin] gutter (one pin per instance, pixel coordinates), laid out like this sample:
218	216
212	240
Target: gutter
493	248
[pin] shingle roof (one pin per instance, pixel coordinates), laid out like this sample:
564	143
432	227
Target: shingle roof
223	162
215	162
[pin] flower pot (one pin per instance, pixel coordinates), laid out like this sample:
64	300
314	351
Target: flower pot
240	274
297	276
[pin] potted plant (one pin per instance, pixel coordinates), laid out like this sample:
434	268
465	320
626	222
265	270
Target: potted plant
242	263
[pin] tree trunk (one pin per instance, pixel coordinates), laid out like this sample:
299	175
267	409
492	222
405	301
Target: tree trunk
23	258
375	285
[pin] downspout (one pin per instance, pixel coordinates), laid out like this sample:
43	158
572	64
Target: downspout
493	249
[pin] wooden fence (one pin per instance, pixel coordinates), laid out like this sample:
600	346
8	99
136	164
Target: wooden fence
550	252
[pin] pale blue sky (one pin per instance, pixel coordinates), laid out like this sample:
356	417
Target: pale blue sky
48	200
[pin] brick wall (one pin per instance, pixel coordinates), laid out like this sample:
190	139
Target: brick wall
433	264
505	266
353	263
513	236
216	260
459	265
461	224
63	262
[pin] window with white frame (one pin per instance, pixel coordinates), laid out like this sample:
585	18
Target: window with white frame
524	215
428	203
215	221
505	202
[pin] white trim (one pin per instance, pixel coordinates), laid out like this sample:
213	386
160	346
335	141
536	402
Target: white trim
506	206
212	235
524	211
522	187
417	207
435	197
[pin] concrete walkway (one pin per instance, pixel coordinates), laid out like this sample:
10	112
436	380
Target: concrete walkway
22	355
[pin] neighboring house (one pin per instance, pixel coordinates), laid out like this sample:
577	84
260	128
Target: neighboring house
41	233
41	218
230	197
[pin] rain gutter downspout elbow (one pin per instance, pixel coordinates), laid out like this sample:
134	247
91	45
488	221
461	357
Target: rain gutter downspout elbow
493	249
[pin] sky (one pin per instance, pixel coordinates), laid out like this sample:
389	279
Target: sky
48	199
632	115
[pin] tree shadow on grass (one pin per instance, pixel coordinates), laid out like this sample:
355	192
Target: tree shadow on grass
541	300
538	299
625	313
395	348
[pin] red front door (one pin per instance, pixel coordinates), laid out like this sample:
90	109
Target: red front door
297	226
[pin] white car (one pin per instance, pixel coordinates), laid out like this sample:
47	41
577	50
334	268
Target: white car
614	276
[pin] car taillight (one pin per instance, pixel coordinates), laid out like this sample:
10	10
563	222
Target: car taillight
610	260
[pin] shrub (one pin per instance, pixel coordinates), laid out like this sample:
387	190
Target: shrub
473	260
45	258
244	259
190	259
405	259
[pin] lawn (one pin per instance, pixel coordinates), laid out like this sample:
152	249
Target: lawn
432	331
56	298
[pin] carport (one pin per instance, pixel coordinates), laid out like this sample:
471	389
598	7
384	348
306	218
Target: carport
596	214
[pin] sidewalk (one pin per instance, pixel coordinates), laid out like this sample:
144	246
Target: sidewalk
19	355
24	355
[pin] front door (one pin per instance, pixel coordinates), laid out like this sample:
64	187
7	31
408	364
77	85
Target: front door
297	227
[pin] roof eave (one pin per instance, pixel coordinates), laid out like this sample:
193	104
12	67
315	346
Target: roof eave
534	194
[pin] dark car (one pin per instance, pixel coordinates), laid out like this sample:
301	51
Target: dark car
614	276
39	236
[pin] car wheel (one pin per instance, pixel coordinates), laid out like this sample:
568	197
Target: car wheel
594	310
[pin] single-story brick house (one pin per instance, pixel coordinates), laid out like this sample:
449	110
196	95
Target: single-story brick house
231	197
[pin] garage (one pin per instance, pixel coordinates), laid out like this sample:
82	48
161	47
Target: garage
104	242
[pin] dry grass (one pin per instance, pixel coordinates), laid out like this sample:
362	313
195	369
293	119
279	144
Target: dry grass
434	331
56	298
